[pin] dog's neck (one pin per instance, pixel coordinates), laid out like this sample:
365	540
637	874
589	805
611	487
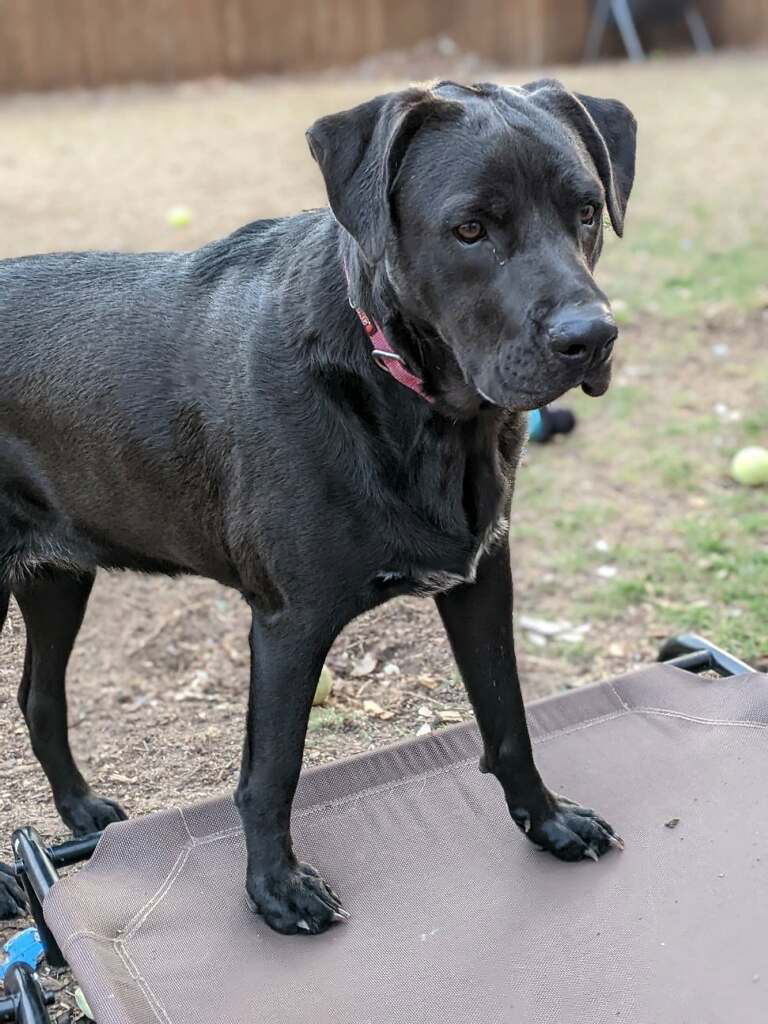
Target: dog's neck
430	368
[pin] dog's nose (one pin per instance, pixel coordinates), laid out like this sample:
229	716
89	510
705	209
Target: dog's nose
579	334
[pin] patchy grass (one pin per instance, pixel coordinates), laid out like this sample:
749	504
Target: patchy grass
646	476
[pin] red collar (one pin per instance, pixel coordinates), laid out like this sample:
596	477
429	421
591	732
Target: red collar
386	357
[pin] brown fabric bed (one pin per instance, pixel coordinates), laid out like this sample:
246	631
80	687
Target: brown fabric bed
454	916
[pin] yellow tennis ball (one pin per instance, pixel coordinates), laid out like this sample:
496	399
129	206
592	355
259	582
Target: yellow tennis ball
324	686
750	466
178	216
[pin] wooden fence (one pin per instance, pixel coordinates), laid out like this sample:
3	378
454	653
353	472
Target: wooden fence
65	43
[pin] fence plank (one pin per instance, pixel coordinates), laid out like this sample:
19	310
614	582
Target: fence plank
48	44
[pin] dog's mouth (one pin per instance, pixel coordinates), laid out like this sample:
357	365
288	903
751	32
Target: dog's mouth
594	383
597	380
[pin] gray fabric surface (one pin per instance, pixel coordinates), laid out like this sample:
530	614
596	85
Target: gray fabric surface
455	917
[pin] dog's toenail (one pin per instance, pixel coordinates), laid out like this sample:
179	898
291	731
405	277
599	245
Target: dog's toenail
589	852
617	841
303	925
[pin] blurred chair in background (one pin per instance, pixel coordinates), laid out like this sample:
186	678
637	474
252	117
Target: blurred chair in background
629	14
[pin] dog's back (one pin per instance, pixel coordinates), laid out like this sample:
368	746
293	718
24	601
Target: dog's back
96	354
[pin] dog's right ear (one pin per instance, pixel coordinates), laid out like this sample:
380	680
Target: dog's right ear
359	152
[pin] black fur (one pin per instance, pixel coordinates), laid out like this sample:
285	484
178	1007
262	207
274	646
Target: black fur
219	413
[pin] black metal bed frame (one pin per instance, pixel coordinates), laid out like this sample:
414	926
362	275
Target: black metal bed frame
37	865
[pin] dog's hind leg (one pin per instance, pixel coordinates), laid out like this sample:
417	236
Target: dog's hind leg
53	604
12	899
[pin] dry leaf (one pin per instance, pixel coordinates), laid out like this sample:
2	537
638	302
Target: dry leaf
449	716
370	707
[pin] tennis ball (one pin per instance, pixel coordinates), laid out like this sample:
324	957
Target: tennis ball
324	686
750	466
178	216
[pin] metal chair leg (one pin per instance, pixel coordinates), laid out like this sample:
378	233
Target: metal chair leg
626	25
694	19
601	15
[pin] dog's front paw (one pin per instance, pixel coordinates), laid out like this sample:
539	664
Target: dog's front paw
295	900
86	814
13	902
567	830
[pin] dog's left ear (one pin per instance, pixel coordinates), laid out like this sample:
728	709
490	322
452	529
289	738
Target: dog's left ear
608	130
359	152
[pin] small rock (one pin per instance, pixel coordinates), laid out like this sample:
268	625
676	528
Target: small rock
424	729
544	627
370	707
424	711
606	572
602	545
391	669
364	666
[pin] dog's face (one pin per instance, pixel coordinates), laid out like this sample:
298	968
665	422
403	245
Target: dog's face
484	208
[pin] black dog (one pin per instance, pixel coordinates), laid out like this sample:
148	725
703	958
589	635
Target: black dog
222	413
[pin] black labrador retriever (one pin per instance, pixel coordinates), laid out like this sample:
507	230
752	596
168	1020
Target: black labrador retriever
224	413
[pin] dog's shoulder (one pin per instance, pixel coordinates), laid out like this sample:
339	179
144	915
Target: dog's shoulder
251	248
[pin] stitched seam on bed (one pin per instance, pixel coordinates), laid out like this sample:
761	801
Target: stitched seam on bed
700	720
156	899
424	776
565	731
83	934
184	823
135	974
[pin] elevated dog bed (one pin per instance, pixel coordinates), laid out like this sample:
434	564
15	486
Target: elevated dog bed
455	917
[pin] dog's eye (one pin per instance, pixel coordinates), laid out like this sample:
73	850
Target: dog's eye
470	232
587	214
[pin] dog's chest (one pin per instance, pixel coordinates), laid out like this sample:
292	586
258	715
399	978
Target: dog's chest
454	512
459	565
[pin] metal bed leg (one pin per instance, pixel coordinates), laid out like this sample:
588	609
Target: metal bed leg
25	1001
692	652
38	875
37	867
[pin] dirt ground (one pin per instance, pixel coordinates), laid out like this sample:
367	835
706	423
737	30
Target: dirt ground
624	532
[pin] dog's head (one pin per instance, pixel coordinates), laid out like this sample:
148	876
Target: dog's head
482	208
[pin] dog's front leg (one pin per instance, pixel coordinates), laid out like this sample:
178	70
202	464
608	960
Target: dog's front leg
285	664
478	619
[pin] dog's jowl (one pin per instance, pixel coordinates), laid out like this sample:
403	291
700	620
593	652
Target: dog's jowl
323	412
